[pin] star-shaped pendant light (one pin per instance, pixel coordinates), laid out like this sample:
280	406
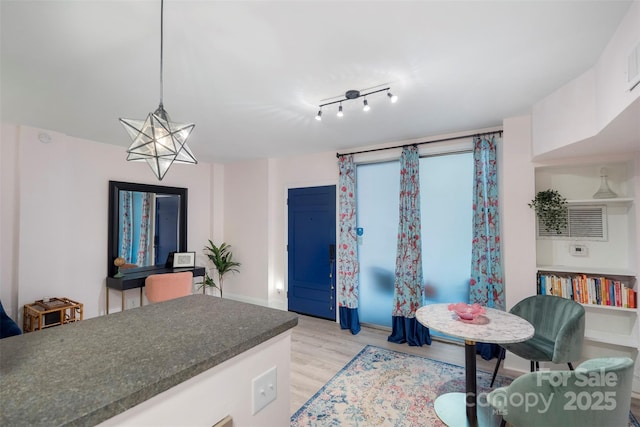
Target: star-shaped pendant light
157	140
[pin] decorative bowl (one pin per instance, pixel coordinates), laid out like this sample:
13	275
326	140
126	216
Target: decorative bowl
466	311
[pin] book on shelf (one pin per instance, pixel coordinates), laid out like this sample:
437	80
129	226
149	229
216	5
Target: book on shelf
586	289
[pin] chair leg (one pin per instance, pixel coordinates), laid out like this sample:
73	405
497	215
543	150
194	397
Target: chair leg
533	366
495	371
570	366
503	423
537	366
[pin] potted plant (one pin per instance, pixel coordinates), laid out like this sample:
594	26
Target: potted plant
222	259
551	208
207	282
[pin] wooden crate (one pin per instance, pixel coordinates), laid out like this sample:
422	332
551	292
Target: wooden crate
54	312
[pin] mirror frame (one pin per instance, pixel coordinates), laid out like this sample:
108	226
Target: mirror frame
114	218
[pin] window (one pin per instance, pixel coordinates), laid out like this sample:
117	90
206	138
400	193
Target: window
446	187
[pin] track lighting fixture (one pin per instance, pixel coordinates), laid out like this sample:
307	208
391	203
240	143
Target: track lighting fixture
352	94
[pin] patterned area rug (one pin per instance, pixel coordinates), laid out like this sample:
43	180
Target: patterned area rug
381	387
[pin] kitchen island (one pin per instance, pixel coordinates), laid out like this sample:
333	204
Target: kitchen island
188	361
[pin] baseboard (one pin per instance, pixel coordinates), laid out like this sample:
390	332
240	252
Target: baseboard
248	300
278	304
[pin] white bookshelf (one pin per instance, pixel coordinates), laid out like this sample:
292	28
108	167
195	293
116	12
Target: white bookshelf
609	330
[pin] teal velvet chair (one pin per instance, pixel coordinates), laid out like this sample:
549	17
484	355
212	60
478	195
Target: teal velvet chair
597	393
559	331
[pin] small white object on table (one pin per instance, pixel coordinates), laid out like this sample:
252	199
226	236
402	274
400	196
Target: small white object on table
494	326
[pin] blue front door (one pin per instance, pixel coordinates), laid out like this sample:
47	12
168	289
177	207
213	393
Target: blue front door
311	251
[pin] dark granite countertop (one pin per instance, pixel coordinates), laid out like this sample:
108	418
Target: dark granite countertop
86	372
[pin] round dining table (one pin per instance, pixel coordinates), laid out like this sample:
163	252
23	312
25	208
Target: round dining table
494	326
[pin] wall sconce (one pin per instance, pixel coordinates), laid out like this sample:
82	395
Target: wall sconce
350	95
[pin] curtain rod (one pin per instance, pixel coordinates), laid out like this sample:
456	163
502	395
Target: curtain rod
338	155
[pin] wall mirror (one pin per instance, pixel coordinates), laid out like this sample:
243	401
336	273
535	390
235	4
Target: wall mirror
146	224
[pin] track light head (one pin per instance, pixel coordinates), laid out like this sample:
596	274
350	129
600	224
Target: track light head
319	115
392	97
366	106
340	113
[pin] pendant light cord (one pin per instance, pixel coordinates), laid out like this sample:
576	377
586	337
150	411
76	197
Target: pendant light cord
161	47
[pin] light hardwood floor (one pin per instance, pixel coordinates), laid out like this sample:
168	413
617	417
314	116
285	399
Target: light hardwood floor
319	349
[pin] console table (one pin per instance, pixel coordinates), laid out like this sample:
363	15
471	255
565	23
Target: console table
135	279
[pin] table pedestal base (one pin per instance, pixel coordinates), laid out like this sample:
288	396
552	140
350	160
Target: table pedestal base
451	409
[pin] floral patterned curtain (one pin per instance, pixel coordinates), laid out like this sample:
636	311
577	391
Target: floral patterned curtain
347	256
125	232
145	245
135	227
408	278
486	286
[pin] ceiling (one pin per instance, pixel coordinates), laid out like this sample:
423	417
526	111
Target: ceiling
251	74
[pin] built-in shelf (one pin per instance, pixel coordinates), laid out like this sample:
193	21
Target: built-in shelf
622	201
599	271
611	338
609	307
609	329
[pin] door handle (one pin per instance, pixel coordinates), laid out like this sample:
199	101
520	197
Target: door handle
332	258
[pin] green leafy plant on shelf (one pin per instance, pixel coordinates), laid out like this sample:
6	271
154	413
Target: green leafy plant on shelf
222	259
551	208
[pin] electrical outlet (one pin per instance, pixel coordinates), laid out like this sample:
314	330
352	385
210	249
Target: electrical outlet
264	389
131	303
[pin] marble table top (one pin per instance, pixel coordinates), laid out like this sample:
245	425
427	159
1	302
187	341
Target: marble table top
496	326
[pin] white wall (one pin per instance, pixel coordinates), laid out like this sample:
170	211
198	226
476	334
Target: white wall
585	106
9	220
517	184
636	189
54	213
245	229
566	116
612	89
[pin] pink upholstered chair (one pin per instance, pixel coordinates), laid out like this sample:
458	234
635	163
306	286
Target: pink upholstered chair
162	287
